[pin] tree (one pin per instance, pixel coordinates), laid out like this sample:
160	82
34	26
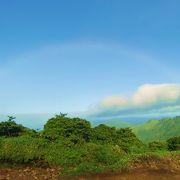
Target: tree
127	140
123	138
174	143
10	128
103	134
157	145
60	126
11	118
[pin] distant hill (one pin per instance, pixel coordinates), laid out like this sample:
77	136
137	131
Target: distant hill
152	130
115	122
155	130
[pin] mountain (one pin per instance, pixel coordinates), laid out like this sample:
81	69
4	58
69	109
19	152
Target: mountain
115	122
155	130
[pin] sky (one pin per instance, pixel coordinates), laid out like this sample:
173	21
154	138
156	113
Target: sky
96	58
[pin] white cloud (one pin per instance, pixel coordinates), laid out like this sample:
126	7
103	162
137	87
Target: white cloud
147	99
147	94
114	101
154	93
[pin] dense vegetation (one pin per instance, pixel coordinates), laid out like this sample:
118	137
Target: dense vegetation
73	145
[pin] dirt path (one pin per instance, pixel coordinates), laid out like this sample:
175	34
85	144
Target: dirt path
142	169
52	174
29	173
138	175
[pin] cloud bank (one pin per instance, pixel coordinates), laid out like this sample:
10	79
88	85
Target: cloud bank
148	99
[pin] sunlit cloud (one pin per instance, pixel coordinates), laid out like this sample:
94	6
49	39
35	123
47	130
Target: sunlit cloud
147	99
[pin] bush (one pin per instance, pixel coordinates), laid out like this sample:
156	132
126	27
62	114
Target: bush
174	143
22	149
58	154
103	134
157	145
128	141
10	128
95	158
76	129
124	138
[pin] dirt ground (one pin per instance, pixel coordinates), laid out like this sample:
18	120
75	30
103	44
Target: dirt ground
142	169
28	173
52	174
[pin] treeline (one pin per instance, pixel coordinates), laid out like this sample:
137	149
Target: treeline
74	145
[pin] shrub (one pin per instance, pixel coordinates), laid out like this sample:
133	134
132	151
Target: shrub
76	129
10	128
22	149
157	145
174	143
58	154
95	158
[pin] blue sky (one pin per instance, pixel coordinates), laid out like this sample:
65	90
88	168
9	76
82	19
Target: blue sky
72	56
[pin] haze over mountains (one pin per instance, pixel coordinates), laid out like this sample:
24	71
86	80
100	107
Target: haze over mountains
115	122
36	121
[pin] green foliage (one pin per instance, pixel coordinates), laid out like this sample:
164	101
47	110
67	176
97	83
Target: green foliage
21	149
77	148
158	145
96	158
158	130
174	143
9	128
103	134
58	154
84	167
124	138
128	141
75	129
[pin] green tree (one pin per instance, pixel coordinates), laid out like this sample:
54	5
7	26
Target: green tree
10	128
75	129
157	145
124	138
103	134
174	143
127	140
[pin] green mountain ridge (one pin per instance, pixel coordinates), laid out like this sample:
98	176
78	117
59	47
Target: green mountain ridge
152	130
158	130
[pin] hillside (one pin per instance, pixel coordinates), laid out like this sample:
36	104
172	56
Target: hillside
69	147
115	122
154	130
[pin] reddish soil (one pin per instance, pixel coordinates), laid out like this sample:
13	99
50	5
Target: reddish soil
52	174
142	169
29	173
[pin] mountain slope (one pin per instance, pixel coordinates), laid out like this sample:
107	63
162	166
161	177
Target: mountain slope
155	130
